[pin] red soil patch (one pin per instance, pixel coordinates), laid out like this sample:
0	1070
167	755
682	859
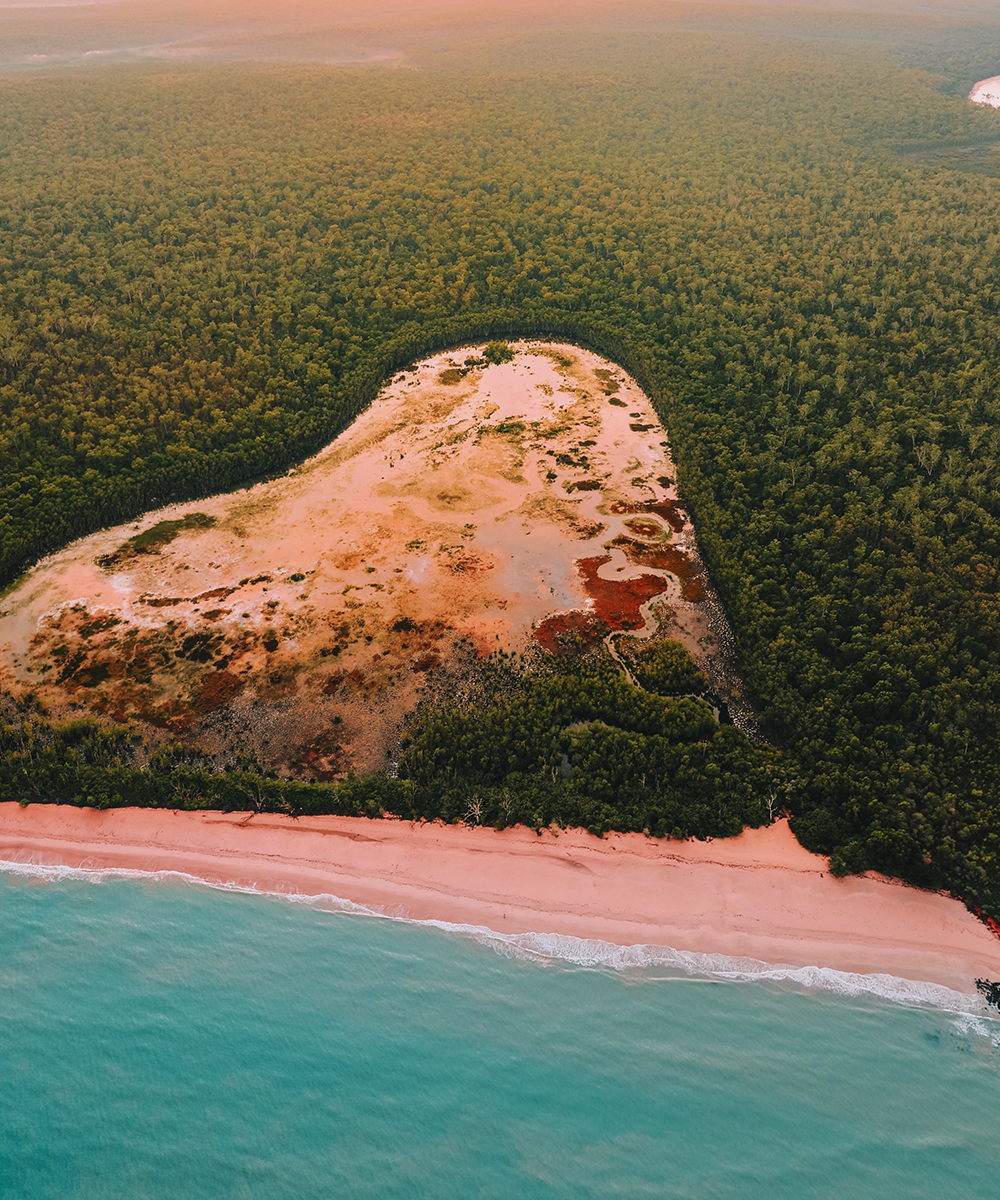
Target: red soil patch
469	563
218	689
617	602
570	632
333	684
664	558
991	925
219	593
667	509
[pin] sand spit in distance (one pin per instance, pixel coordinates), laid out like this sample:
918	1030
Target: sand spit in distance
986	91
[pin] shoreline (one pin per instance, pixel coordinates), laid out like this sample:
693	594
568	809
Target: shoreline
518	505
758	896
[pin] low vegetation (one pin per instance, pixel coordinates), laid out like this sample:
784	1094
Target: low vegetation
568	742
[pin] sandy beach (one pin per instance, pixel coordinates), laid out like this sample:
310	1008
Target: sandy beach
760	895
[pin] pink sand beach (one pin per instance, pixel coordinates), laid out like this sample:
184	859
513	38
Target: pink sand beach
760	895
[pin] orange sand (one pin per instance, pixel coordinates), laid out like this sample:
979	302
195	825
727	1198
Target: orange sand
759	895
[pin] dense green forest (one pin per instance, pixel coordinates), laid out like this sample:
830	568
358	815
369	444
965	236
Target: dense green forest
579	744
207	271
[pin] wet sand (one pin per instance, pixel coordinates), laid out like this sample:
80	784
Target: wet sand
473	508
760	895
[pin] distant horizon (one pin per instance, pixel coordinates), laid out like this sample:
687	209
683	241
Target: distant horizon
56	34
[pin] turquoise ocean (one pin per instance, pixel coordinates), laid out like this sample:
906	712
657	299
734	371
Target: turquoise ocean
163	1039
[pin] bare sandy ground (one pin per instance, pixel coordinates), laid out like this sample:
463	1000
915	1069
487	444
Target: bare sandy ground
760	895
470	509
986	91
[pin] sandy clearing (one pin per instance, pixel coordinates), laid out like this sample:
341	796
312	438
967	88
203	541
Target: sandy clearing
760	895
298	621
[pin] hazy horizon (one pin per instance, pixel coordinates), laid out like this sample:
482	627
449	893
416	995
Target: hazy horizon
55	33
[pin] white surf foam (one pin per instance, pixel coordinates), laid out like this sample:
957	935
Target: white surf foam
607	955
975	1015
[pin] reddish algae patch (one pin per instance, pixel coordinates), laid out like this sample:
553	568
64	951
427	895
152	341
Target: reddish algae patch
218	689
664	558
569	632
617	601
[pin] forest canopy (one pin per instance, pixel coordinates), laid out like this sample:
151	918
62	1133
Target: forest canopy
208	270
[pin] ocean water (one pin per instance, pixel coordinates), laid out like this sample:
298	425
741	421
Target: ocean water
163	1039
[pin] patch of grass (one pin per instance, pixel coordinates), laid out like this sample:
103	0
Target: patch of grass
561	360
609	384
151	540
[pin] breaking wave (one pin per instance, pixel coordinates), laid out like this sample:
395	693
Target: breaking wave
552	948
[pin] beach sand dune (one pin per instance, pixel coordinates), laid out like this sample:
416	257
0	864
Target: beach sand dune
760	895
